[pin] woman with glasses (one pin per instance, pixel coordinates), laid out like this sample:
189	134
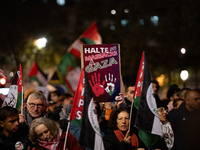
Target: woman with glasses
165	142
47	135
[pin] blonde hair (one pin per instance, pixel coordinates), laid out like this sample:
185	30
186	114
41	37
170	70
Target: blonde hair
52	126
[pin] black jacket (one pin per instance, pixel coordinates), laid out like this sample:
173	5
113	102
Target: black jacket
9	143
186	127
112	143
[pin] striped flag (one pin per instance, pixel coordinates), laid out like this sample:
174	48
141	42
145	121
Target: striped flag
147	120
15	94
90	131
37	75
90	36
69	71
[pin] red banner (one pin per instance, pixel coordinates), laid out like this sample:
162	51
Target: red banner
77	108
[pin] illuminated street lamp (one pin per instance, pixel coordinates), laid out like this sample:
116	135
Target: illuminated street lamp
184	75
41	43
183	51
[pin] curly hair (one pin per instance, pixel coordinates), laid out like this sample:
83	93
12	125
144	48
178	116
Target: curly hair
114	116
53	127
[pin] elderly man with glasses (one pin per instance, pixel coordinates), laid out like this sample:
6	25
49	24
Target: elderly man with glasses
36	106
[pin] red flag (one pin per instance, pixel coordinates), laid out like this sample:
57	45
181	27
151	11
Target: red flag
77	107
139	82
90	36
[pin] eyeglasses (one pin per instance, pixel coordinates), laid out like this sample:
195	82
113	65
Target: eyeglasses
32	105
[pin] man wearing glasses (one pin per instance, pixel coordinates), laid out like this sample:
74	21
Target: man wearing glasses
36	106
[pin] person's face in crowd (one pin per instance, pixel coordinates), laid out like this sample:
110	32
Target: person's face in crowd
178	104
54	97
182	94
174	96
129	93
43	133
35	107
67	101
10	125
154	88
193	101
123	121
162	113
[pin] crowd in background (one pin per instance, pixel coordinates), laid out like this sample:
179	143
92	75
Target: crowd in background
43	122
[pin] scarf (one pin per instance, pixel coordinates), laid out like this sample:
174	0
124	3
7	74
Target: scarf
120	137
29	118
168	135
51	145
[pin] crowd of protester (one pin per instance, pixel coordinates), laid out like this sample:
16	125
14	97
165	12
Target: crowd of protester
42	124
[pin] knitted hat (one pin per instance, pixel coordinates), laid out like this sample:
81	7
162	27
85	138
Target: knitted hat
28	92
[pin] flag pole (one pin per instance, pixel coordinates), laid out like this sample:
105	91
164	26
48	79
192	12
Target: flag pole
130	116
22	105
66	135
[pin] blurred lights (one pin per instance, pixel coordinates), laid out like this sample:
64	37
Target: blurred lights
11	74
183	50
2	81
154	20
113	12
41	43
112	27
141	22
124	22
184	75
126	10
161	79
4	91
60	2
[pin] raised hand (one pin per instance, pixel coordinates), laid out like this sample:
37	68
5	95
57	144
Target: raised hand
110	84
127	137
97	88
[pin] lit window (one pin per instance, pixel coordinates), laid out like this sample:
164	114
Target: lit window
154	20
61	2
112	27
124	22
126	10
113	12
141	22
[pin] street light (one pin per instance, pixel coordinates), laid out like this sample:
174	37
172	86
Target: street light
41	43
183	51
184	75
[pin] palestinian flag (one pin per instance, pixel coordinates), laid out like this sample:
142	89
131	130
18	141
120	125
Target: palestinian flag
147	120
77	107
139	81
37	75
15	94
90	132
69	71
90	36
